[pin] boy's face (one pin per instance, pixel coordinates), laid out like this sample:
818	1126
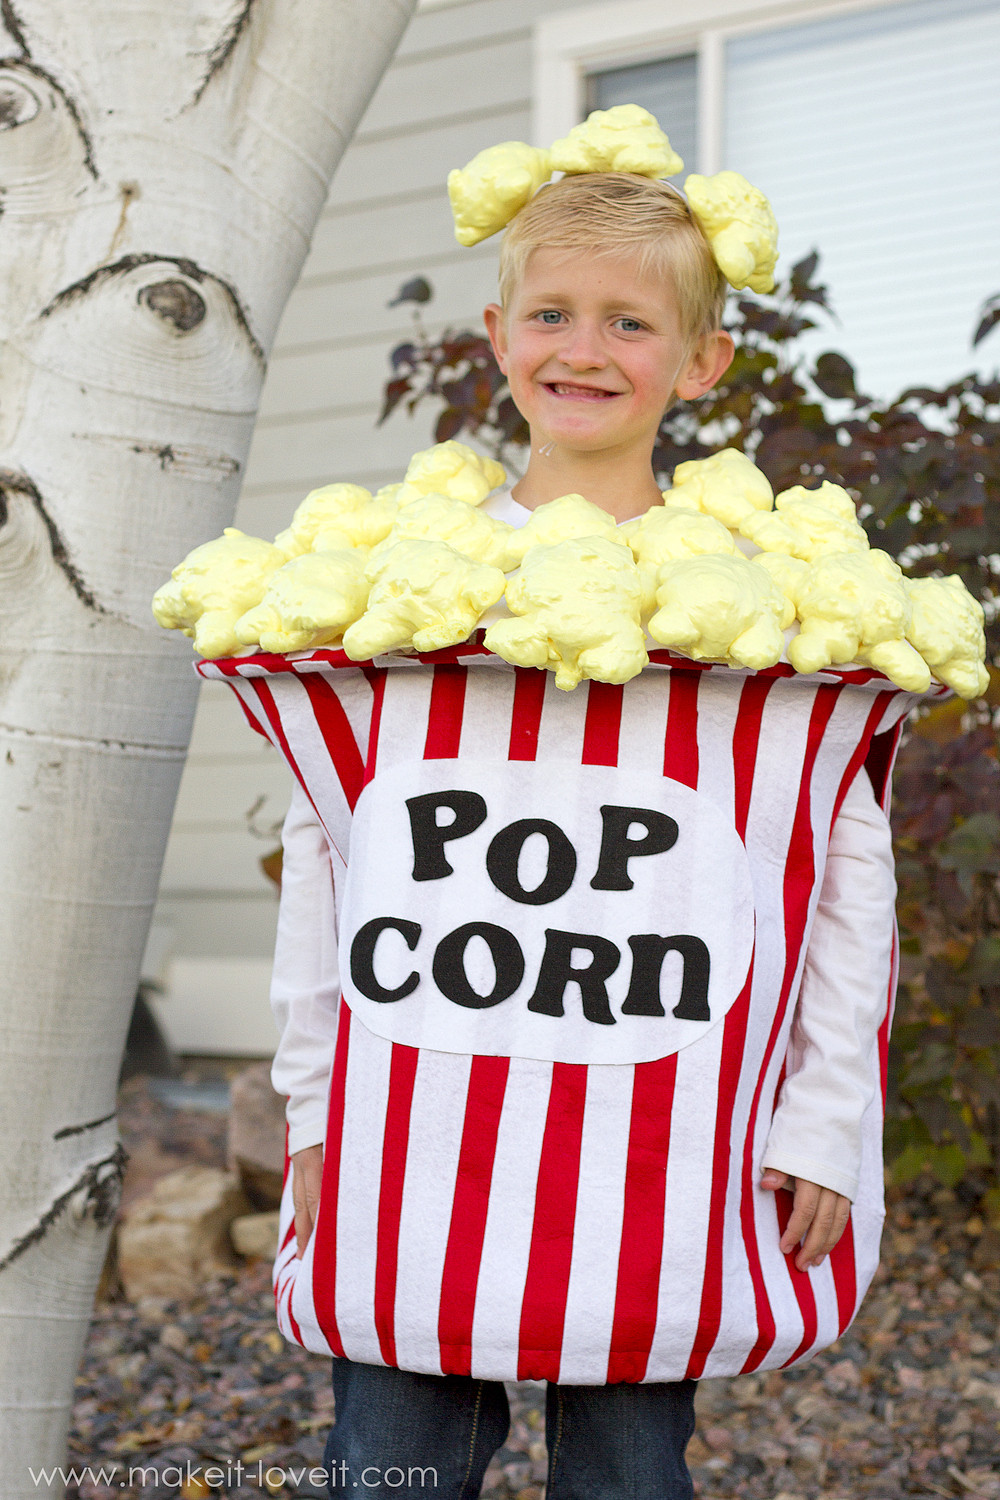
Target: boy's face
593	352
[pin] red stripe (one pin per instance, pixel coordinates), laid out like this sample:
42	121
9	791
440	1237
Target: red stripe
886	1027
746	739
603	723
283	1286
251	718
880	760
858	757
845	1281
799	877
543	1309
745	744
526	712
641	1250
402	1072
444	716
338	736
680	750
731	1062
459	1277
279	739
296	1330
378	696
784	1202
484	1097
324	1286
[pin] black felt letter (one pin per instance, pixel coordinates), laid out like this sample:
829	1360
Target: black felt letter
649	950
449	965
363	958
556	971
430	836
505	851
617	848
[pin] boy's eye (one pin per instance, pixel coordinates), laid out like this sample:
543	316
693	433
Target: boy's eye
629	325
550	315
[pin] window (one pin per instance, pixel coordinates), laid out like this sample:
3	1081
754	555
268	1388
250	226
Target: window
874	129
668	88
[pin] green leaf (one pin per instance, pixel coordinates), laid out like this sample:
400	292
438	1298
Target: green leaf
984	964
980	1154
947	1163
909	1164
973	848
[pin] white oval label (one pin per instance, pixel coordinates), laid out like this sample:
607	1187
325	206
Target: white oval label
569	913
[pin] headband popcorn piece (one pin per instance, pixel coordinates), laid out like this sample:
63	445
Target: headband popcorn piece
495	186
740	227
623	139
734	216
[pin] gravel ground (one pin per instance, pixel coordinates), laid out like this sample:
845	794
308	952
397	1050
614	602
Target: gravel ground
906	1404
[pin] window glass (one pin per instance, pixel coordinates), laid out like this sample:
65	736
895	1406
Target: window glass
668	88
877	137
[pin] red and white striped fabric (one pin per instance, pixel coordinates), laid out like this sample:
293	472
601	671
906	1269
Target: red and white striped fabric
524	1216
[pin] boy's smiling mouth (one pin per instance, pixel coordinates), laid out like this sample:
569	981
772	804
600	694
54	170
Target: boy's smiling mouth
579	392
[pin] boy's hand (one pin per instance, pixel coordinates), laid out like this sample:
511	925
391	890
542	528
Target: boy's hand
819	1218
307	1174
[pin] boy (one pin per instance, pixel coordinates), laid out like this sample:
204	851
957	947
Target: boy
611	309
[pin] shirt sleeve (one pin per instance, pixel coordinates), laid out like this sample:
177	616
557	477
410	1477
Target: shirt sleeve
305	985
832	1059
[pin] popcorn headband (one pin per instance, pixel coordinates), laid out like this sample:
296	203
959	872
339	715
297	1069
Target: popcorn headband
734	216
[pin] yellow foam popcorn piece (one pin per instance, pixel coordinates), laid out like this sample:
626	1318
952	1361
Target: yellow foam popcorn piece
947	630
213	586
558	520
808	524
577	603
424	596
308	603
721	608
739	225
335	516
487	192
855	607
727	485
450	468
442	518
787	572
665	534
625	138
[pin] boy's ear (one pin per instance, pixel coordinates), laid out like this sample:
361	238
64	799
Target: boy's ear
497	333
707	364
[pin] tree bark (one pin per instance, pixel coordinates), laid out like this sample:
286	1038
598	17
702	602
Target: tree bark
161	171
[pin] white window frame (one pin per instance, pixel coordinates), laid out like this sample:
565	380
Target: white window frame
571	44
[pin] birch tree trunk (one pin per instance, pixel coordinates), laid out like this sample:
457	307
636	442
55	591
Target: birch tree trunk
161	171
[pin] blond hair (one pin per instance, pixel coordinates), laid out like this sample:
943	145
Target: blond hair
614	213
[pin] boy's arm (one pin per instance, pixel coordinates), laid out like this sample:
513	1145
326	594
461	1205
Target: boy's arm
305	990
832	1056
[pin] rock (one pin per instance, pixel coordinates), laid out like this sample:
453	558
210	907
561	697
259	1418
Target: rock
256	1234
177	1235
256	1144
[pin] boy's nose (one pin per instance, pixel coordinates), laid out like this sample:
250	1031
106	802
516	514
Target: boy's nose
582	349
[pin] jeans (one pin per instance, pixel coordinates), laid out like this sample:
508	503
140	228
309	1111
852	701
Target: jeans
401	1434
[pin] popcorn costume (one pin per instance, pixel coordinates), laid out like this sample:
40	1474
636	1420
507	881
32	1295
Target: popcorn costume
587	904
